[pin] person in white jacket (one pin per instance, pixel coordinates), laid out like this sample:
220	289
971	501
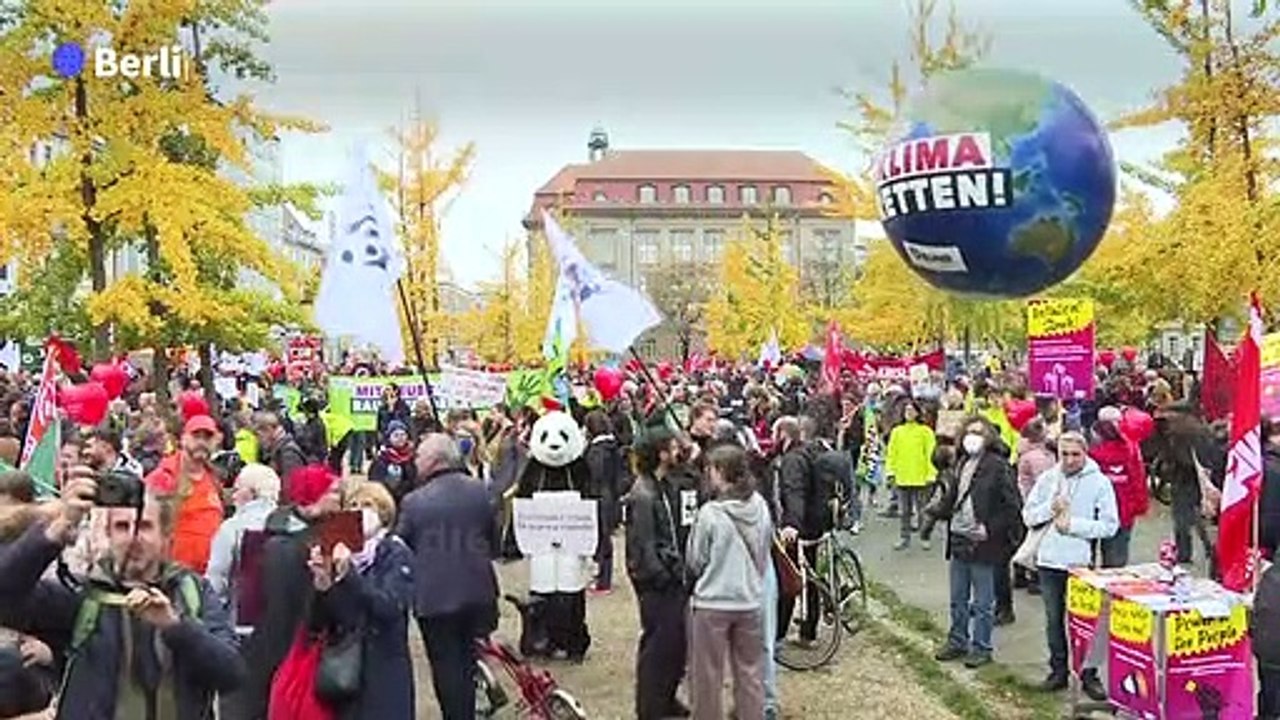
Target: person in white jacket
1075	502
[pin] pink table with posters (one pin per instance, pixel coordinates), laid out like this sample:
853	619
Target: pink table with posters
1167	655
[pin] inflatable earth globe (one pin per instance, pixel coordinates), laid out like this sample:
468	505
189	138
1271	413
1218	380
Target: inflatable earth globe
1000	184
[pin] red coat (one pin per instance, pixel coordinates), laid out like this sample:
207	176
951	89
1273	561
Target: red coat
1121	461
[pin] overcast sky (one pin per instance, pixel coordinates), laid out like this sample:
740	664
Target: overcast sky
527	80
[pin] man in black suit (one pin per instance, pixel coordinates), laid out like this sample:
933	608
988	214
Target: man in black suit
449	524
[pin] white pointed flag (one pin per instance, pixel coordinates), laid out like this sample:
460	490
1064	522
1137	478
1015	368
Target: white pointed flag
562	325
612	313
357	297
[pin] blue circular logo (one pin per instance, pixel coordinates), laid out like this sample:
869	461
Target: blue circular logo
68	59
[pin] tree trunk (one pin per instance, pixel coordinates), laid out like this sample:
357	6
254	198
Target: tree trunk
93	228
160	376
206	376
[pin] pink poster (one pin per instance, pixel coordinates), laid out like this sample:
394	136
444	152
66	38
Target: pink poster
1084	607
1208	667
1060	347
1131	661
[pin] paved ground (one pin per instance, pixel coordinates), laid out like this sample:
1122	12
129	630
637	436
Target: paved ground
919	578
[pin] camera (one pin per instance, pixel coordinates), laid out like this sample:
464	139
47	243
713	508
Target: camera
119	489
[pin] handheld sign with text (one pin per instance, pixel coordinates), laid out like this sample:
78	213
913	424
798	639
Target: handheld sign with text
555	522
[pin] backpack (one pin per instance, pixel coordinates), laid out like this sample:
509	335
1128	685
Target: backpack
1265	620
831	475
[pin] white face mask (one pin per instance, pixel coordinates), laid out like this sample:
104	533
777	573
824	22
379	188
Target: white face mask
973	444
371	522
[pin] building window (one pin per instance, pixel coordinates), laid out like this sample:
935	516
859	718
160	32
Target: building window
599	196
824	198
647	247
712	245
680	194
715	195
782	195
648	194
747	195
682	246
790	252
828	242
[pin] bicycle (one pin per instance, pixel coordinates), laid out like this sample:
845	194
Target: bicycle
539	695
836	577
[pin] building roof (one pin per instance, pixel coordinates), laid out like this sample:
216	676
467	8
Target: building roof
694	165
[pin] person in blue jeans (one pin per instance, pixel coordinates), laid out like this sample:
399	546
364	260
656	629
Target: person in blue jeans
980	506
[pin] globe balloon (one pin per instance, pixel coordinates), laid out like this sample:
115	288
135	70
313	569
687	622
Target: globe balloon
999	184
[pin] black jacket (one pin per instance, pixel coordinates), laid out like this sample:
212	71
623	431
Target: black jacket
804	505
1269	502
655	552
313	440
604	461
995	505
400	411
284	456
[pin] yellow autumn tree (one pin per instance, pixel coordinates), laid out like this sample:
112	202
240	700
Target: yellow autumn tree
422	188
491	328
891	305
1222	238
759	294
146	164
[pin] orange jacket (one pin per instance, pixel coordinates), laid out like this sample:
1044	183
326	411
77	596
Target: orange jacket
199	514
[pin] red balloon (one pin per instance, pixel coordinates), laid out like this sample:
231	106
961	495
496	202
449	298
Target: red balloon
113	377
1129	353
191	404
1106	358
84	404
609	382
1136	425
1019	412
665	371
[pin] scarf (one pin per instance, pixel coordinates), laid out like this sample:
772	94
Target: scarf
397	456
363	560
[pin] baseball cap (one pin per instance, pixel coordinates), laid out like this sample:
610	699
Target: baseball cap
200	423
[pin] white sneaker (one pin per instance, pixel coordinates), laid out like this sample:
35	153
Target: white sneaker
926	545
856	529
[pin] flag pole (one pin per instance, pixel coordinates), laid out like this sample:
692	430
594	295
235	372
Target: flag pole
412	319
644	370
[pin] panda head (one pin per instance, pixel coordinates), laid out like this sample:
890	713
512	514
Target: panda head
556	440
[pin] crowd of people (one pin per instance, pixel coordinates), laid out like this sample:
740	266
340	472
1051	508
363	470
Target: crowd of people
210	587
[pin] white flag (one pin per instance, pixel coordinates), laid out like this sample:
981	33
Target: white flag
357	297
770	352
612	313
562	324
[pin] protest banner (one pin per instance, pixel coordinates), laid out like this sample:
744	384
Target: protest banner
1084	608
1131	660
555	522
1060	348
358	397
1208	666
471	388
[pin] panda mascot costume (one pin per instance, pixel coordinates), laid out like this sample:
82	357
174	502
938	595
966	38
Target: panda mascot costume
557	580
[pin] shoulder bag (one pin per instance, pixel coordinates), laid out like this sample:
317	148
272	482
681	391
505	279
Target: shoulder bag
338	674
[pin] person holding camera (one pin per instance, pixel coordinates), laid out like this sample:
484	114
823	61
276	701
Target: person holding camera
188	475
144	636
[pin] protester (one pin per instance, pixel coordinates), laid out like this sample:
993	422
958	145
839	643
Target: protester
449	525
727	555
393	408
1265	631
369	591
255	496
188	476
1075	505
1120	460
604	460
311	495
1034	458
394	467
104	451
277	448
980	511
908	462
656	566
183	648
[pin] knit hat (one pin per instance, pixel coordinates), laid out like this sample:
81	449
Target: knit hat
395	425
306	485
1110	413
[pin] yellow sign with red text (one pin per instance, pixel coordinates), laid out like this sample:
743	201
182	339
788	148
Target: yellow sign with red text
1131	622
1083	599
1046	318
1192	634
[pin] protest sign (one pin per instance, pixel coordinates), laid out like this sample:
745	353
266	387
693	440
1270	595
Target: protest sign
1060	347
1084	608
1131	660
555	522
1208	671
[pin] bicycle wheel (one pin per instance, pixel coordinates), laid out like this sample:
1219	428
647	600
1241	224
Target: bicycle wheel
851	591
490	697
800	655
563	706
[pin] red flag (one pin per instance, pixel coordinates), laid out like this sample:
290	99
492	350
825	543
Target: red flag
1219	376
832	359
1244	461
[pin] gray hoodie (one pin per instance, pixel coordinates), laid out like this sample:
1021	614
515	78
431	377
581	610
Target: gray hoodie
728	549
